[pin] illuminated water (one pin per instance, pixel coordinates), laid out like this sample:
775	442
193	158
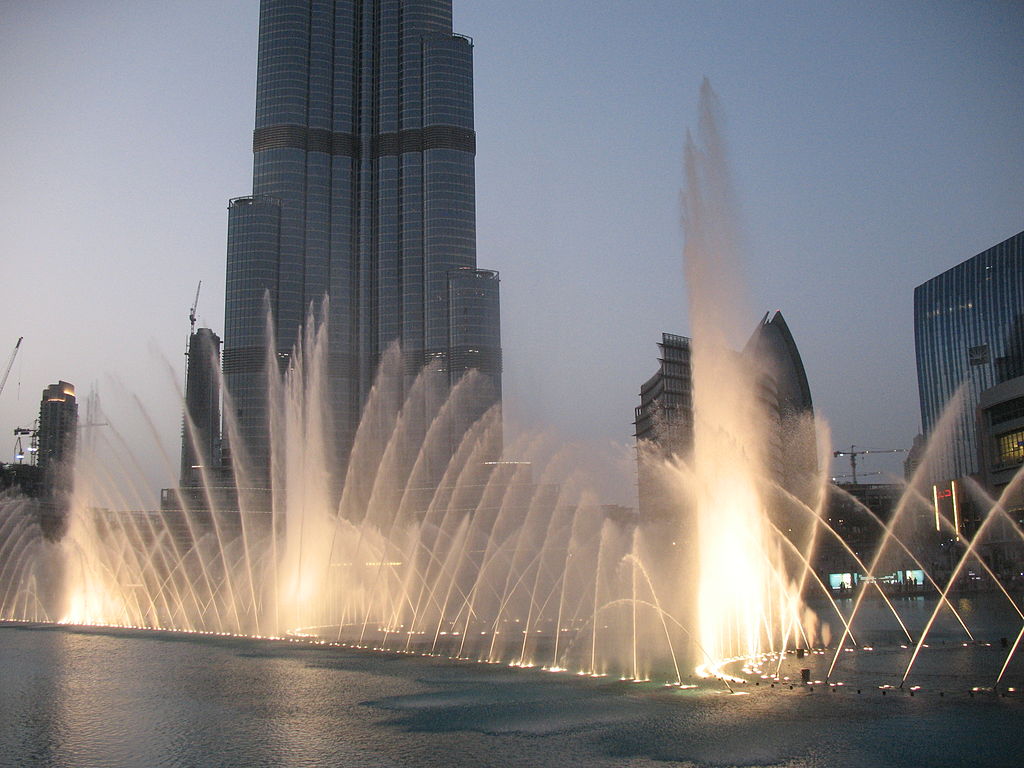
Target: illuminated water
511	562
82	699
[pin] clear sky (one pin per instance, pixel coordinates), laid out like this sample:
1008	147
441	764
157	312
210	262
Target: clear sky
873	145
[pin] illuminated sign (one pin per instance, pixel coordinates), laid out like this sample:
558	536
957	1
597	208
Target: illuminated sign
946	500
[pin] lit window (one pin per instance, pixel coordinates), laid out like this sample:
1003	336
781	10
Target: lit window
1011	447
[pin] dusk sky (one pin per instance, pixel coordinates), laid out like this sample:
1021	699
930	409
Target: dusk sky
873	146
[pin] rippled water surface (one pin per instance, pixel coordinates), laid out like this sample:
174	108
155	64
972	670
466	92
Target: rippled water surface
82	698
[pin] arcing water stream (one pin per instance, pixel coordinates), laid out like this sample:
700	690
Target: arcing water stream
510	561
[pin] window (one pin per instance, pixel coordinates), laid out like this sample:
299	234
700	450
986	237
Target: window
978	355
1011	447
1008	411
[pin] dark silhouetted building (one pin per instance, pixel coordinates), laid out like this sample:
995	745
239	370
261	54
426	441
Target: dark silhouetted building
364	194
200	432
57	439
664	426
856	515
58	429
26	478
665	413
792	454
915	456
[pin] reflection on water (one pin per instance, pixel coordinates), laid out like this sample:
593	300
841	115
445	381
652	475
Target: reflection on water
93	700
98	699
987	615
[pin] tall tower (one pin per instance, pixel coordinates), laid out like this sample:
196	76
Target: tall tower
58	431
364	194
200	429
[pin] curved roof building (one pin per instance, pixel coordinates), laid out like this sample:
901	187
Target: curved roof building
772	345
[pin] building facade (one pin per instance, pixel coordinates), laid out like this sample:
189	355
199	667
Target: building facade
363	195
665	413
200	430
474	340
969	334
791	453
663	426
1000	424
58	431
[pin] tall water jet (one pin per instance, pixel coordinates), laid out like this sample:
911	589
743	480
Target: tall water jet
744	592
505	559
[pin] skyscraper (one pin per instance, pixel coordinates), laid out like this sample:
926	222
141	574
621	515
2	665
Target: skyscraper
363	193
58	431
968	332
57	439
200	430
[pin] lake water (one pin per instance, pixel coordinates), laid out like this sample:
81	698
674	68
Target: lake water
88	698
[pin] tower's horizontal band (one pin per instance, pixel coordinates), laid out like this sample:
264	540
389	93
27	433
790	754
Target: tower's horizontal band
349	145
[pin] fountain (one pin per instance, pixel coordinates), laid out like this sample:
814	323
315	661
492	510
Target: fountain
514	561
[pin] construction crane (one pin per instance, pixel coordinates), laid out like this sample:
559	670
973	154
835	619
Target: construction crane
19	449
841	478
853	453
192	312
10	364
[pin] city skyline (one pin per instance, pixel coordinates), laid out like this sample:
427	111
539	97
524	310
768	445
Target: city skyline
885	140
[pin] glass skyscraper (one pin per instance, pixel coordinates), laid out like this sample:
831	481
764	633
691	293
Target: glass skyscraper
968	331
363	193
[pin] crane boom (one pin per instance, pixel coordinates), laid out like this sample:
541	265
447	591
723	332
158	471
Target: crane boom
10	364
192	312
853	453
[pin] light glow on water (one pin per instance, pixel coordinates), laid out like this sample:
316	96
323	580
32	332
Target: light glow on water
506	562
